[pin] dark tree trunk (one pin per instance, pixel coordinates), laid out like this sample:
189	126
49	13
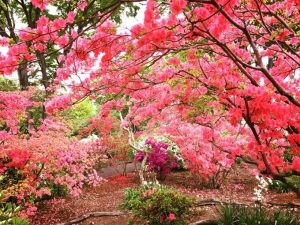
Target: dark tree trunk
23	76
43	66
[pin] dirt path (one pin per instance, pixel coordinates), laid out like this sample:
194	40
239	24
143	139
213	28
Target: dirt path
106	197
116	170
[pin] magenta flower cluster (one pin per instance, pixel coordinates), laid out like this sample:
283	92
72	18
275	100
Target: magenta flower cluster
159	160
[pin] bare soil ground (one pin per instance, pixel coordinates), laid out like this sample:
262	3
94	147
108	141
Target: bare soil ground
108	195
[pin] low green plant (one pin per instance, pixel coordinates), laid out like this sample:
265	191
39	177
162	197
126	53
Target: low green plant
7	84
56	190
78	115
8	215
290	183
240	215
158	205
293	182
278	185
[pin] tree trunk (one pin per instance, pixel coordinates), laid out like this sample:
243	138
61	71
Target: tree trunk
23	76
43	66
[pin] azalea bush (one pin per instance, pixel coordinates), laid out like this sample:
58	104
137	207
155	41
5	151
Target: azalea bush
160	159
208	161
157	205
38	158
49	164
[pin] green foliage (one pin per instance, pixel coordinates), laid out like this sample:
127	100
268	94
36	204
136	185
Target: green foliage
10	177
129	9
19	221
56	190
201	105
7	85
290	183
84	18
35	113
77	116
8	215
39	96
293	182
131	153
238	215
287	155
238	160
279	186
156	204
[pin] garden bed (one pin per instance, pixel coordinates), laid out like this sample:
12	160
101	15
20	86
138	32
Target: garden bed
108	195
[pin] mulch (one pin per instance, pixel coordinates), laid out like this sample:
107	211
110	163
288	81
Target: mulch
107	196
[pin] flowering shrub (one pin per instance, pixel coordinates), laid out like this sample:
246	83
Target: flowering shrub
48	164
157	205
159	159
202	156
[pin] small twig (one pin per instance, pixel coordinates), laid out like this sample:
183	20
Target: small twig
288	204
92	214
205	222
39	172
211	202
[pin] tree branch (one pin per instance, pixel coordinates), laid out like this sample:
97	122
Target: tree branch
93	214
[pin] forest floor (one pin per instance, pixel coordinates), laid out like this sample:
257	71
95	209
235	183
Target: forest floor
106	197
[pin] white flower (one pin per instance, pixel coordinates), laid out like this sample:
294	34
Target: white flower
261	187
